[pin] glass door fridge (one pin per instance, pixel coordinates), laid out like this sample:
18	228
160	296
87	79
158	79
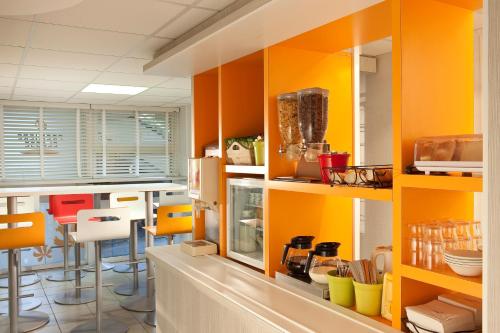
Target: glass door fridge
245	226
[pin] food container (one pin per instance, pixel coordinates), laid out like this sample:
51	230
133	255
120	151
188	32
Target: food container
341	290
368	298
313	114
288	119
240	151
258	147
336	161
455	153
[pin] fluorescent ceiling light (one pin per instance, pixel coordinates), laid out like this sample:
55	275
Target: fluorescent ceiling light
112	89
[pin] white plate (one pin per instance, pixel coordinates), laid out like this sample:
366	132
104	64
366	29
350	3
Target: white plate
463	263
466	270
466	254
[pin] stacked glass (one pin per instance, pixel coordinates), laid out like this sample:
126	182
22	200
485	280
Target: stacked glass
429	240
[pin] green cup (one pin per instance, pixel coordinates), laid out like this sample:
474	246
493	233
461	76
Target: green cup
341	290
368	298
258	147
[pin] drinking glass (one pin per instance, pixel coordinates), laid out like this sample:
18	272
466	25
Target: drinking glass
449	244
449	231
433	251
477	235
432	232
415	233
464	239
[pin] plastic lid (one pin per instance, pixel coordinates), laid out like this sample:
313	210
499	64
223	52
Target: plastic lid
291	95
302	242
327	249
314	90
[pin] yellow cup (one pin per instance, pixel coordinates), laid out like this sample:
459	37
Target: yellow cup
258	147
368	298
341	290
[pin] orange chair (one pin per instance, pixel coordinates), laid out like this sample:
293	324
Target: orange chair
24	230
172	220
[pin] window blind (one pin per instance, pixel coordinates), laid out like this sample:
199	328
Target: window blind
65	143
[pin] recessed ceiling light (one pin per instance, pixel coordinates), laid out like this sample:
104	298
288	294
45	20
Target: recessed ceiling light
112	89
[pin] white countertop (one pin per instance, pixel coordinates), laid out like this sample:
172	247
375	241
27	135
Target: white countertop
20	191
288	309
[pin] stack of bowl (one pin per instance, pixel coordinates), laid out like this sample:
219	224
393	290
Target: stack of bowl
465	262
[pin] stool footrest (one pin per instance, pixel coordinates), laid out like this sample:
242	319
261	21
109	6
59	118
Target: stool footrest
3	299
93	286
136	262
73	269
151	278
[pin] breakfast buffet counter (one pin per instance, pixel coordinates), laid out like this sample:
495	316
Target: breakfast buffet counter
213	294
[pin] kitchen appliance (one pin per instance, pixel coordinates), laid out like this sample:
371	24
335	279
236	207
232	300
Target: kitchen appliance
245	226
453	153
384	252
323	259
295	256
203	179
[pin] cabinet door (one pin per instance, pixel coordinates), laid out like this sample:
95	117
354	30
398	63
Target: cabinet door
245	222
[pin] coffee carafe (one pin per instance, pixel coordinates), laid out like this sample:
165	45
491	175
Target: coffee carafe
295	255
323	259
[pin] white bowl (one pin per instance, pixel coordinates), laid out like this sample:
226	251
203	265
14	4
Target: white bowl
464	254
466	270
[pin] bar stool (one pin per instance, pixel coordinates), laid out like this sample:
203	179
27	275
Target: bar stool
96	225
171	220
136	204
12	239
64	209
23	205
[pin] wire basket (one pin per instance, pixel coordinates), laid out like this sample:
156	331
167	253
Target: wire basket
374	176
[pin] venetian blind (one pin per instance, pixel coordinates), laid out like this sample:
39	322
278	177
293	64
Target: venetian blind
64	143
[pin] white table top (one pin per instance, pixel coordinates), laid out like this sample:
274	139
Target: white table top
86	188
289	309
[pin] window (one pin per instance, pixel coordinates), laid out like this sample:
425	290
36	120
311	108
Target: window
41	143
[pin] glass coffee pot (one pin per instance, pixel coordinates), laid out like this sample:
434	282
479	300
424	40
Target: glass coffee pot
295	255
323	259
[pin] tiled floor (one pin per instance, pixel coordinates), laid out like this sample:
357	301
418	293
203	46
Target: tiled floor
63	318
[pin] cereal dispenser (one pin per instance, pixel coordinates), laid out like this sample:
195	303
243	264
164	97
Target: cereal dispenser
288	120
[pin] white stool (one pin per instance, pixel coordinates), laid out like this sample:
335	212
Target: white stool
96	225
23	205
136	204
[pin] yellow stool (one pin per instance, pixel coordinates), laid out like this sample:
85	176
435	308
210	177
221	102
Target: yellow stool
19	235
169	225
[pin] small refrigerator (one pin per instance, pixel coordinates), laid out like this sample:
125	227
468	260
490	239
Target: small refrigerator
245	222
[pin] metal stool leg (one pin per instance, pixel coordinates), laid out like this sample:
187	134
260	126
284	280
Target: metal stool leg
65	275
20	321
100	325
105	266
134	287
79	295
144	303
25	280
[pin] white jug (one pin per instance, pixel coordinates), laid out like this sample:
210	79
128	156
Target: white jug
386	252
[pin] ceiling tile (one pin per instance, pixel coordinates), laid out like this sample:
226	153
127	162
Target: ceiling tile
190	19
140	17
96	96
60	38
166	92
90	101
43	92
143	98
50	58
177	82
50	85
57	74
139	103
123	79
129	65
14	32
8	70
49	99
7	81
10	54
186	100
215	4
147	49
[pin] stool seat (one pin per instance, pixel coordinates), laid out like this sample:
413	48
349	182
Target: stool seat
65	219
172	220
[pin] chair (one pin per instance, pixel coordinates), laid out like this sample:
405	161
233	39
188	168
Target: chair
23	205
171	220
13	238
64	209
136	204
97	225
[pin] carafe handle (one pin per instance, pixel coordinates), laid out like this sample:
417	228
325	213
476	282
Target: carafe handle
285	253
308	263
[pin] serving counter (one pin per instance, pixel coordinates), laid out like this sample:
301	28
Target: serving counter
212	294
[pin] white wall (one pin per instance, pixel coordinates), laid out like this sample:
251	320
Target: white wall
376	98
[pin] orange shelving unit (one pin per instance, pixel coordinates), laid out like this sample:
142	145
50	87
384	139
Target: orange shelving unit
432	94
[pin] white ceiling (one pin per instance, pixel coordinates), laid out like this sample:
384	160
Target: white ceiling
52	57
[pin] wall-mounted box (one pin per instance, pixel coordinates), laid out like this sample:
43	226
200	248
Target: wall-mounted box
203	179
